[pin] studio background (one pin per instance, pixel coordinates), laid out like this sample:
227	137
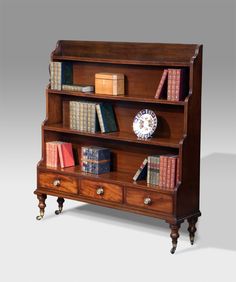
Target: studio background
90	243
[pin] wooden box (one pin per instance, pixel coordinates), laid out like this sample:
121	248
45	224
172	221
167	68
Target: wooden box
109	83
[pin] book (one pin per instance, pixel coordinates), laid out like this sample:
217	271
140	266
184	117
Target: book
162	86
148	170
65	154
142	171
106	117
66	73
78	88
172	182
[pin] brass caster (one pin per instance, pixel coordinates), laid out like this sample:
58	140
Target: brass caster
192	240
57	212
172	251
39	217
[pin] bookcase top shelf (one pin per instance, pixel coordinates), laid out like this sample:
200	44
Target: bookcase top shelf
153	54
116	98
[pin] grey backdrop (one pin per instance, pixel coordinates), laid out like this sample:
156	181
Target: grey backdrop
29	31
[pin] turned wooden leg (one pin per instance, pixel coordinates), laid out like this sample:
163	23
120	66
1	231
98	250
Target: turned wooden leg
60	205
174	234
41	205
192	228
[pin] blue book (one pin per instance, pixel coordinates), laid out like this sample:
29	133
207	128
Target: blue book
106	117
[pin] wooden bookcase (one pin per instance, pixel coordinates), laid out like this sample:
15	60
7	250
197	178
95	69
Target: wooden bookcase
178	131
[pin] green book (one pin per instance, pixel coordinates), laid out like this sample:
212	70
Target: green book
67	73
106	117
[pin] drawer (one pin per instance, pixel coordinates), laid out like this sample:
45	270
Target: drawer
149	200
58	182
101	191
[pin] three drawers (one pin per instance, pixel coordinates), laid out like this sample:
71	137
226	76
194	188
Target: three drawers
98	190
149	200
58	182
101	191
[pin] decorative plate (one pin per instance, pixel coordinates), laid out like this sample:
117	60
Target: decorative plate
145	123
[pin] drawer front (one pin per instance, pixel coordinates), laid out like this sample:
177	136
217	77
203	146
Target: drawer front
149	200
101	191
58	182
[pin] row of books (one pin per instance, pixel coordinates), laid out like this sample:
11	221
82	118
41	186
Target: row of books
173	85
59	154
92	117
61	78
161	170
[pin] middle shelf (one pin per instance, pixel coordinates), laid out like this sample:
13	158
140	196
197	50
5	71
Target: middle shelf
119	135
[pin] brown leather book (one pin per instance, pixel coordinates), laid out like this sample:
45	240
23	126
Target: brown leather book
162	86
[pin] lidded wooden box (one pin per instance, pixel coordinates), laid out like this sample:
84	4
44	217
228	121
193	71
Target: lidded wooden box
109	83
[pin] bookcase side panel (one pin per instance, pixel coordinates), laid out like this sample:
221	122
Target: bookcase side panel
188	195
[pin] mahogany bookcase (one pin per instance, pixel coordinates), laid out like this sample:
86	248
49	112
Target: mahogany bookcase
178	131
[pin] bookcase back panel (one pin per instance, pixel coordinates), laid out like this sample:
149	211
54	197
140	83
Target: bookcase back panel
170	119
126	157
140	81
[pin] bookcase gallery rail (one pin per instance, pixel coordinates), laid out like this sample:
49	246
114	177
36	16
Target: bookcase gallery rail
90	151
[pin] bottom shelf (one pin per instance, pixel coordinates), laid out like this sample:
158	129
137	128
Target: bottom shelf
123	178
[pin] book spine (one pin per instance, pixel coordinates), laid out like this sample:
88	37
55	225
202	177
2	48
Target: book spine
169	85
61	155
164	180
173	172
176	91
148	171
161	84
158	170
177	170
93	117
85	117
168	172
80	116
100	119
154	170
161	171
48	154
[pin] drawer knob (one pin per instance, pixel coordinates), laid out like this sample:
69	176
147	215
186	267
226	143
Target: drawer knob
147	201
56	182
100	191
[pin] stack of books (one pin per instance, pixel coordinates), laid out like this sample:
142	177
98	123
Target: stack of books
59	154
88	117
161	170
95	159
173	85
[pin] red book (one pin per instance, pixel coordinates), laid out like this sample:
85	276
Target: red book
168	172
169	84
66	154
164	171
173	172
48	154
177	171
162	87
